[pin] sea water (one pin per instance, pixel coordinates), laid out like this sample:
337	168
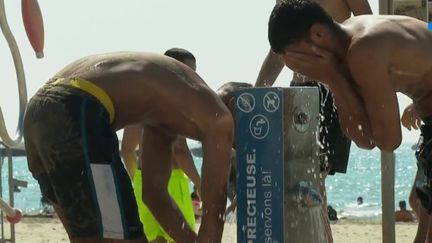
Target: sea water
363	178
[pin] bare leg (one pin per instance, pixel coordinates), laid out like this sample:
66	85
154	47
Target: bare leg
413	197
429	229
422	215
423	224
156	169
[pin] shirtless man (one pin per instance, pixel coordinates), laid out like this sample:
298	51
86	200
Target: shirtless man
404	215
339	10
334	145
364	61
72	147
182	163
367	74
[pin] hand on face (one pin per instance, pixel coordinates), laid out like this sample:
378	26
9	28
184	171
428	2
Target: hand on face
320	64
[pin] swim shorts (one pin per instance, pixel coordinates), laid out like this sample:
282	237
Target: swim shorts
73	153
423	182
178	188
334	145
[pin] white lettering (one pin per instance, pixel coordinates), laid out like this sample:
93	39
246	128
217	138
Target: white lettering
268	230
251	197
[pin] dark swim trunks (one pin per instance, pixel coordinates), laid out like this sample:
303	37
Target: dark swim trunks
335	146
73	153
423	182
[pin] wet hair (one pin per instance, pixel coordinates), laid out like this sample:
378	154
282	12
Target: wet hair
291	20
180	54
402	204
226	91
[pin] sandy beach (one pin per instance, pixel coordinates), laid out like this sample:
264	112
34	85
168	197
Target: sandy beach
41	230
346	231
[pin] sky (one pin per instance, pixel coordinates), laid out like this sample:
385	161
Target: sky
228	38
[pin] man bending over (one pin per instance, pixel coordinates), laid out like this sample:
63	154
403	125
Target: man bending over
73	151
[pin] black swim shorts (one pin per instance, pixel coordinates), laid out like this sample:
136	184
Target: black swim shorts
423	182
73	153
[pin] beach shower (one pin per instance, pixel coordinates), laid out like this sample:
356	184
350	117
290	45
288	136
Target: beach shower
34	28
32	19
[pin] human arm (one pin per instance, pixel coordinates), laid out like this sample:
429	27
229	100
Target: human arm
369	69
130	141
359	7
374	107
217	144
410	118
270	70
185	161
156	156
352	112
367	102
324	67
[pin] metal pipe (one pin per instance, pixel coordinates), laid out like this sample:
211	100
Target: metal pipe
387	196
22	90
385	7
11	195
2	158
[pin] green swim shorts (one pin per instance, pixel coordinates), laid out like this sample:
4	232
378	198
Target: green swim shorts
178	188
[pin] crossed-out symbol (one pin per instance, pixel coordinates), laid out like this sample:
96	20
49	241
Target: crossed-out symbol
246	102
271	101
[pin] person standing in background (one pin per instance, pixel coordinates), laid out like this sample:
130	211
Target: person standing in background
182	161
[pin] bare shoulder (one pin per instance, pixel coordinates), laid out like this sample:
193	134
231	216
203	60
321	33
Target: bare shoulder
367	57
383	36
373	35
363	48
105	61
